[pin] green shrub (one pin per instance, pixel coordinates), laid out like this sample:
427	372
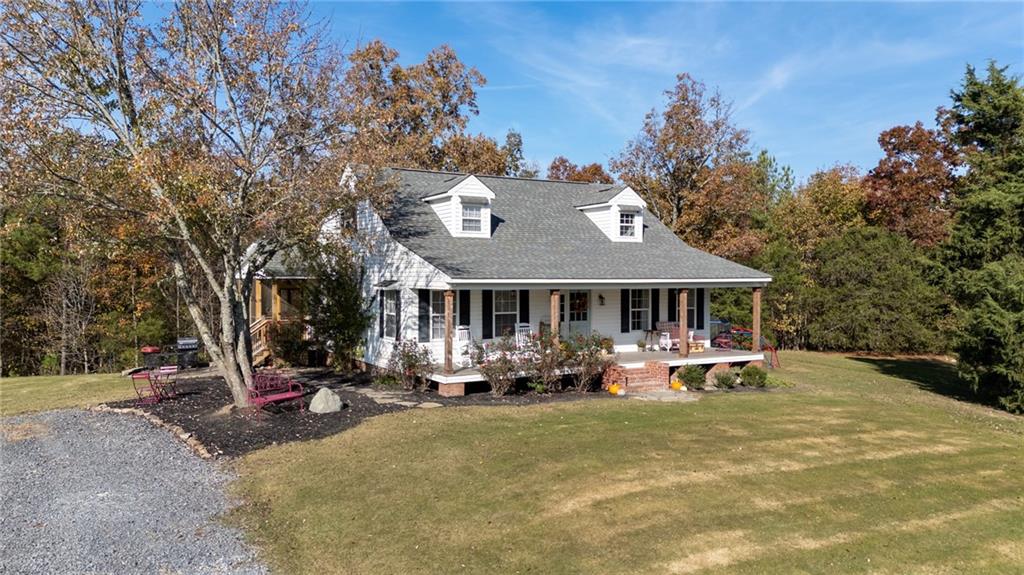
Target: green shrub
287	343
754	376
692	376
725	379
411	364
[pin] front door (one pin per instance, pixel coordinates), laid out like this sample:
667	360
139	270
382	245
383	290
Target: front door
576	318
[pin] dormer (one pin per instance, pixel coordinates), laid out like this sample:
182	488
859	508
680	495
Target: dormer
621	217
465	209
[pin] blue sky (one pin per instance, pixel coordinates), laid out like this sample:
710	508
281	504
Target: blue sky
814	83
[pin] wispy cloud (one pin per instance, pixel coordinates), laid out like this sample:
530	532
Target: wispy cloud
603	65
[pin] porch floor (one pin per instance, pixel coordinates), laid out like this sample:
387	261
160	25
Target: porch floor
625	359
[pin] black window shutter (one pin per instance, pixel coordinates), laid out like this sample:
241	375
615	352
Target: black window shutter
524	306
380	312
424	315
624	311
463	307
655	308
673	304
488	325
700	308
398	315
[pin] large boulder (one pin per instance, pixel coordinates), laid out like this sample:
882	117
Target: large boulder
325	401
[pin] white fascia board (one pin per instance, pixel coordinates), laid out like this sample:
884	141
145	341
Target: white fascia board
627	197
558	283
470	186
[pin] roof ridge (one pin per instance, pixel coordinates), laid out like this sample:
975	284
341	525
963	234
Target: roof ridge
443	172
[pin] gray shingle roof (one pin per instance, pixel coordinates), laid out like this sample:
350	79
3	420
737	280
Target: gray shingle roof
538	233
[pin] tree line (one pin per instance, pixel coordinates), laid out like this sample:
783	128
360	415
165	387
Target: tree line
147	166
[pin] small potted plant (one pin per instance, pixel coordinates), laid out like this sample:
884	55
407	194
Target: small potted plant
641	345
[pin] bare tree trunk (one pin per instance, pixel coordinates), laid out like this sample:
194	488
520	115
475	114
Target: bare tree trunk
63	334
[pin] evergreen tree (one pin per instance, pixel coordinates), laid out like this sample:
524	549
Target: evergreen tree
985	253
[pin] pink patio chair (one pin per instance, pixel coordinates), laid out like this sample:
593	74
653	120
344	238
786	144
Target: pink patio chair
144	388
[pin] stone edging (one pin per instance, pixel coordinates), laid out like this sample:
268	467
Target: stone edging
185	437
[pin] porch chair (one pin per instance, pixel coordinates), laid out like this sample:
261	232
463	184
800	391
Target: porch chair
523	334
464	346
669	338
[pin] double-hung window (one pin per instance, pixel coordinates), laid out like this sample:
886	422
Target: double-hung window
639	309
390	313
506	311
472	217
627	225
437	313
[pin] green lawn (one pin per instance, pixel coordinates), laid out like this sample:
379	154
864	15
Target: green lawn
26	394
853	470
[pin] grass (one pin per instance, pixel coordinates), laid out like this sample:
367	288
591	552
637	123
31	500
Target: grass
860	467
28	394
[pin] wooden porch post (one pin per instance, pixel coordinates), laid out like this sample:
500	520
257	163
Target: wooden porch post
449	321
755	345
275	301
684	324
555	307
258	295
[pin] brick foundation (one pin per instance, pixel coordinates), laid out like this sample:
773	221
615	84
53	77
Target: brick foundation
615	374
451	389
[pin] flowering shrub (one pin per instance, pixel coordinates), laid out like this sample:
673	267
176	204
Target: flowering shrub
411	364
586	360
543	363
500	364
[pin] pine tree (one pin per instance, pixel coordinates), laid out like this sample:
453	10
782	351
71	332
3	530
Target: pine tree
985	252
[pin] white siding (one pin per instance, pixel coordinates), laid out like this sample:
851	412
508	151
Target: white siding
443	209
602	218
384	258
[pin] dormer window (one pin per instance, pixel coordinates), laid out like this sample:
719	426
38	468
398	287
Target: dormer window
472	217
465	209
620	217
627	225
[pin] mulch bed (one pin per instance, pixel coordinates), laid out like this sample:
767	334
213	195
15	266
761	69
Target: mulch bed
203	408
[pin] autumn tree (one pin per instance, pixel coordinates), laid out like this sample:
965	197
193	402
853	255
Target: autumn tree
910	191
680	149
826	206
563	169
221	123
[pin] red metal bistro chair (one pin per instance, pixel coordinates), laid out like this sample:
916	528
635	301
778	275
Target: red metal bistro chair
144	388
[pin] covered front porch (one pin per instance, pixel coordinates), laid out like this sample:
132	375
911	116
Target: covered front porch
631	318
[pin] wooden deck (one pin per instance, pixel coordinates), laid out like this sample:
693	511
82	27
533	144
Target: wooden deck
625	359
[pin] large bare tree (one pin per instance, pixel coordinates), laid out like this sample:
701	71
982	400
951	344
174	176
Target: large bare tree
219	124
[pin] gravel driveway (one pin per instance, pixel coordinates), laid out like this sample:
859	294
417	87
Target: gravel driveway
84	492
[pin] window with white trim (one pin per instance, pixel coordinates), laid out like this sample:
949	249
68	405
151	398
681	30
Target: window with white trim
437	313
506	312
472	217
627	225
639	309
390	313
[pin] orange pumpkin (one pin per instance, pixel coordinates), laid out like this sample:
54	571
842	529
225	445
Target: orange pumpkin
614	389
677	385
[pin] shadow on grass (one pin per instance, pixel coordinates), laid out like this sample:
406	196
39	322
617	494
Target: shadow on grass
928	374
